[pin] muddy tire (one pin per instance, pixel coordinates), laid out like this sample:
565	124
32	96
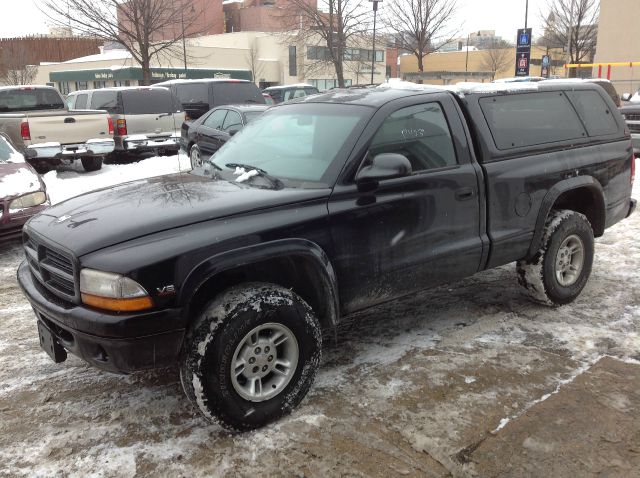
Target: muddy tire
560	269
91	163
251	355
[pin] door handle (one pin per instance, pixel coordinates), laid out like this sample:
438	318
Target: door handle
464	193
69	120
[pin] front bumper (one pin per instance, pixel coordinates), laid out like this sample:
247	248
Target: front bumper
114	342
57	151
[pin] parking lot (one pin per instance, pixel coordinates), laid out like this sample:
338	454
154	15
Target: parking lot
470	379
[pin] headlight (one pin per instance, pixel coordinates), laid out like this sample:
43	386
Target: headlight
105	290
28	200
623	116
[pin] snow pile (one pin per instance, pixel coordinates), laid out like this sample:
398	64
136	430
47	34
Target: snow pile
21	182
72	181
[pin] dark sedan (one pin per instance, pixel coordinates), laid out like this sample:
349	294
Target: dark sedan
22	192
203	137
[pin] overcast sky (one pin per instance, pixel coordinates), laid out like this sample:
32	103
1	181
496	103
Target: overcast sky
22	17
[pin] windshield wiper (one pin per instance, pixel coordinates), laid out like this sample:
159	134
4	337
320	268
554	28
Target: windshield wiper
261	172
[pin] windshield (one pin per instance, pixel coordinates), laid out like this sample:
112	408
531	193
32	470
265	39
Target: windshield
30	99
251	115
299	142
8	154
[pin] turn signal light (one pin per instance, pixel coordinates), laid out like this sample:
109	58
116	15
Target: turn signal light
118	305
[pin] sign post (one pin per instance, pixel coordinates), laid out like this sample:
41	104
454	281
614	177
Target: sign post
523	52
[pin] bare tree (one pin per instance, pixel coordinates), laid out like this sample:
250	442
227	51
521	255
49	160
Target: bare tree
254	62
14	67
147	29
572	24
497	56
418	25
326	30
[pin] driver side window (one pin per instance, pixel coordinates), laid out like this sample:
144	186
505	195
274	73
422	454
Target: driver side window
232	120
215	119
420	133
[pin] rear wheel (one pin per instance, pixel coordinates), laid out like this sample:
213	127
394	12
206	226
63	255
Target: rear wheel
195	156
560	269
251	356
92	163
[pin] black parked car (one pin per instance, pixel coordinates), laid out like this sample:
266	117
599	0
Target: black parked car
199	96
203	137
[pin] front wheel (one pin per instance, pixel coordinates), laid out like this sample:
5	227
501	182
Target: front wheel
251	356
560	269
195	156
91	163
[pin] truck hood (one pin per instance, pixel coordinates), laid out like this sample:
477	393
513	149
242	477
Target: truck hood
117	214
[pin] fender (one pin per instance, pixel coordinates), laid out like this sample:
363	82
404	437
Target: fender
269	250
552	196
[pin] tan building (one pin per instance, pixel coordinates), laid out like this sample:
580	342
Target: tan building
266	58
618	42
452	67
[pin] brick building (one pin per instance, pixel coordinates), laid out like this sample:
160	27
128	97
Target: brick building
198	18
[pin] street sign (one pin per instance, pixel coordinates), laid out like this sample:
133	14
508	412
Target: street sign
546	61
523	52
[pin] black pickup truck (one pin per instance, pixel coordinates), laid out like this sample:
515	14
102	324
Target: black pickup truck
318	209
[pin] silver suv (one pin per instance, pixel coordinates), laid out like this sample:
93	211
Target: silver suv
145	118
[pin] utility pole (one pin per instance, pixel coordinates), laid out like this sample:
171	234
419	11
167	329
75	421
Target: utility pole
569	33
526	14
184	43
466	60
373	56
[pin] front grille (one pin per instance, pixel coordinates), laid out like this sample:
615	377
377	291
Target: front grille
634	128
632	116
53	268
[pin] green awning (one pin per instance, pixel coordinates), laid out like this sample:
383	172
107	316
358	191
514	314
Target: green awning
157	74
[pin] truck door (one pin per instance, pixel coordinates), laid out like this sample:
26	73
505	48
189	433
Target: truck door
415	231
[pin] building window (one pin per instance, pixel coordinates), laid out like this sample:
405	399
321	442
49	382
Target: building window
121	83
63	87
323	85
81	85
318	53
358	54
293	61
99	84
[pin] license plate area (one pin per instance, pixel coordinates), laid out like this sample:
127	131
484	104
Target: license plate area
50	344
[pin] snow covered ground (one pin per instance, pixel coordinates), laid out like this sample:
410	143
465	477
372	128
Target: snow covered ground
411	388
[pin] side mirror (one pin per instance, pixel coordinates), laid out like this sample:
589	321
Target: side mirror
625	96
234	129
384	166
